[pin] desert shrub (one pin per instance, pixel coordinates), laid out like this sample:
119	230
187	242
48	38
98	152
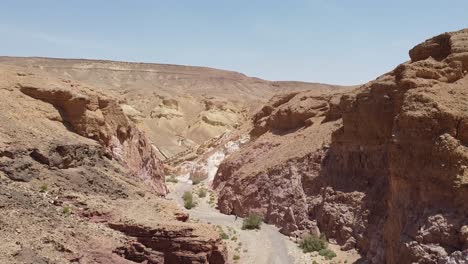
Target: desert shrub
315	262
66	210
189	203
172	179
253	221
202	193
234	238
312	243
223	235
43	188
195	182
221	232
327	253
236	257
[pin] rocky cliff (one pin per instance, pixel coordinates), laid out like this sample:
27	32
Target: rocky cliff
80	183
382	168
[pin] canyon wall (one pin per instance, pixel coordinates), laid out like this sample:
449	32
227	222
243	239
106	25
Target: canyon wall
80	183
382	168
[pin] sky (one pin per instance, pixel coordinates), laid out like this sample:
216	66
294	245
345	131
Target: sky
340	42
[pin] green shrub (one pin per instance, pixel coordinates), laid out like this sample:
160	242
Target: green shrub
43	188
222	234
327	253
315	262
66	210
234	238
312	243
172	179
253	221
202	193
188	200
236	257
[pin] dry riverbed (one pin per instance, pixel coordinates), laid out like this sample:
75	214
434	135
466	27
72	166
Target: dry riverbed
264	246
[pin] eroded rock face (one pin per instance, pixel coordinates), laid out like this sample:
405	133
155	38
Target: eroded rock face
169	246
382	169
97	117
72	166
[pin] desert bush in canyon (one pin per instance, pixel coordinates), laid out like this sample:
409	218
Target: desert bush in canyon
253	221
189	201
311	243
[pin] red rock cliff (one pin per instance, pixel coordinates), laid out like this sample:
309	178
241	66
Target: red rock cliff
382	168
93	115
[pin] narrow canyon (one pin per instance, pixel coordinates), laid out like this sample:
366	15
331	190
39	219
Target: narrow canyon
96	157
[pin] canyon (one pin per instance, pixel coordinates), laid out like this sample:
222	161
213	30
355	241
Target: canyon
380	170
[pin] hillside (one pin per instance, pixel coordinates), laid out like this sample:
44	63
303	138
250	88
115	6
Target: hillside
81	184
179	107
381	168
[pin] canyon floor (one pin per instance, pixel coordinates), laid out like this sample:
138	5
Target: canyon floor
264	246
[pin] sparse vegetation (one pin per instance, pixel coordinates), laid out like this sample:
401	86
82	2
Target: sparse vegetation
202	193
66	210
312	243
189	203
315	262
212	200
236	257
172	179
43	188
327	253
195	182
253	221
234	238
222	234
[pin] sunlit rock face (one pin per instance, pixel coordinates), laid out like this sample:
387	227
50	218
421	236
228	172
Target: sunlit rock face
381	168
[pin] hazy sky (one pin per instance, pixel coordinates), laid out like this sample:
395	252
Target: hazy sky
342	42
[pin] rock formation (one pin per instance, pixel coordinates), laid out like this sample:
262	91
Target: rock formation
78	177
96	117
381	168
178	107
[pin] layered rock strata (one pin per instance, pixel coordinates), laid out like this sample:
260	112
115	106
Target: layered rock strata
382	168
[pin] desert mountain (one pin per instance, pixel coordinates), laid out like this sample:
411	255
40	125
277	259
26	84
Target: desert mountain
381	168
379	171
80	183
179	107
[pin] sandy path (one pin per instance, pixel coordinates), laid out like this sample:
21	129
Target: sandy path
266	245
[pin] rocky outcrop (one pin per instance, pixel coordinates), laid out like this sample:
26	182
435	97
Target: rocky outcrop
94	116
161	245
72	166
382	169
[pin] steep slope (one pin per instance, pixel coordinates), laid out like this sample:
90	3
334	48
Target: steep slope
79	183
179	107
382	168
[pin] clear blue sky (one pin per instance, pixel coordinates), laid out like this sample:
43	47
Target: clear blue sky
342	42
